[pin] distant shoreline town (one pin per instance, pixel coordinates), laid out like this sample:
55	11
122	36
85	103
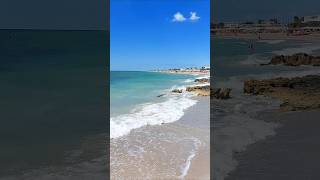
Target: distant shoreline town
269	29
189	70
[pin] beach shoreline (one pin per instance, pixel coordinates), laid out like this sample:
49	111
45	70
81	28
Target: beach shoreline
268	36
170	138
195	73
166	143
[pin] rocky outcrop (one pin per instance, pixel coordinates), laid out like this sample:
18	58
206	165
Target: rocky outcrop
200	90
220	93
202	80
177	91
258	87
299	93
295	60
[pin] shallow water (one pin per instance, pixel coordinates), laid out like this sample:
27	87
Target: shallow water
135	102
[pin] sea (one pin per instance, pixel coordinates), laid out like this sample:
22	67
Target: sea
238	122
139	98
53	104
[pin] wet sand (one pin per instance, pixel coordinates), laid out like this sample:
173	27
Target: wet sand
293	153
199	116
178	150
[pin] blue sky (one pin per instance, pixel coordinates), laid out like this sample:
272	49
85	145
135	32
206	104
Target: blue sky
150	34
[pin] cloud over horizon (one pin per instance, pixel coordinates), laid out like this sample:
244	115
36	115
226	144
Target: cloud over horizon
193	16
179	17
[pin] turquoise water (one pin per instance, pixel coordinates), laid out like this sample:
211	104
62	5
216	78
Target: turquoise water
135	102
130	88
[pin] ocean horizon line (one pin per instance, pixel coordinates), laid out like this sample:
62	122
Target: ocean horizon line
131	70
49	29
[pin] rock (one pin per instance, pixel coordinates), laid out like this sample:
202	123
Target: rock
225	93
257	87
161	95
220	93
177	91
202	80
295	60
200	90
299	93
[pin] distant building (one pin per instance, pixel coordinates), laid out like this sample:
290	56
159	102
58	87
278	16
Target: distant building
205	68
308	19
231	25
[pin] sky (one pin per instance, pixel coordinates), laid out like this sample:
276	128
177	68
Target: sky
159	34
54	14
251	10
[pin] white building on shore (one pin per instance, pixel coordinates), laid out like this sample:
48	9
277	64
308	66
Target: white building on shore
306	19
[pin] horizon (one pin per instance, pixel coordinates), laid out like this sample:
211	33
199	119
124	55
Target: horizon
159	69
163	34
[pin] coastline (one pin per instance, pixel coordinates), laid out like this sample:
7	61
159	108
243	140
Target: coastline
172	150
268	36
162	145
195	73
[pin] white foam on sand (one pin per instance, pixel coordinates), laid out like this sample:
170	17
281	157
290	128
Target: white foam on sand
151	114
185	167
204	77
189	80
183	88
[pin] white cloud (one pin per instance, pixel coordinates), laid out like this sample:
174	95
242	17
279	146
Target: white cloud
193	16
178	17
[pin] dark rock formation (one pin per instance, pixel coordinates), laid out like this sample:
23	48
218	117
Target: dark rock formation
194	88
161	95
220	93
258	87
295	60
202	80
299	93
177	91
200	90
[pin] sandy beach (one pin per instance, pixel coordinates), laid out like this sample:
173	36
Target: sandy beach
178	150
293	153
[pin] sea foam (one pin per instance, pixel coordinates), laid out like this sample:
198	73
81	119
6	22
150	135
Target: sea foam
151	114
185	168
